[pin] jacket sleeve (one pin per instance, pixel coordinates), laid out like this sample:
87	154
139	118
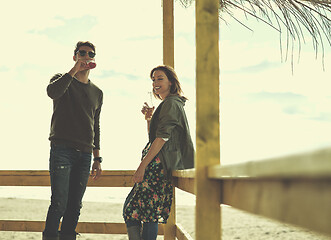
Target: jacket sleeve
168	119
58	85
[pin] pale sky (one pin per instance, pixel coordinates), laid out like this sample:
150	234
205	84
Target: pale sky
266	110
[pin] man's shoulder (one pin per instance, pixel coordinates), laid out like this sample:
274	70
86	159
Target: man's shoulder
57	76
95	87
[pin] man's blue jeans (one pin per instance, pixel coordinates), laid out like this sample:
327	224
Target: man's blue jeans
69	172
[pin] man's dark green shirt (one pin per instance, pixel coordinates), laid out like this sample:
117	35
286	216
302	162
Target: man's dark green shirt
76	113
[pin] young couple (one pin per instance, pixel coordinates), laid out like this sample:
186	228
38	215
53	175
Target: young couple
75	136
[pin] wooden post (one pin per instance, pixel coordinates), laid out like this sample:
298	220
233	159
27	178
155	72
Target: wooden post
207	120
168	33
168	59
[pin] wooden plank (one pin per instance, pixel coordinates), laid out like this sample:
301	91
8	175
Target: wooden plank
82	227
24	181
169	59
181	234
168	33
303	202
184	180
41	178
22	226
24	173
111	181
46	172
315	164
186	184
170	226
207	217
24	178
189	173
101	228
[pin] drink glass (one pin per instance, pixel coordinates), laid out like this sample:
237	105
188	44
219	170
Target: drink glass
149	106
91	63
150	100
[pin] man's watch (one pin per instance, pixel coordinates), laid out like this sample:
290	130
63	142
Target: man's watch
97	159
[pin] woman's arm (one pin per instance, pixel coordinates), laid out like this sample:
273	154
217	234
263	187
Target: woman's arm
148	112
153	151
148	124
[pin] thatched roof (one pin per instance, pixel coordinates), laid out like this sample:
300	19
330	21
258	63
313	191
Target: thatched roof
289	16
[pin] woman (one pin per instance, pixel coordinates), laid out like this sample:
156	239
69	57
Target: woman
169	148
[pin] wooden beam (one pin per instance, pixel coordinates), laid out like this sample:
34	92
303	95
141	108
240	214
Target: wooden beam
170	227
41	178
168	33
101	228
82	227
169	59
186	184
207	217
22	226
184	180
46	172
315	164
188	173
294	189
181	234
303	202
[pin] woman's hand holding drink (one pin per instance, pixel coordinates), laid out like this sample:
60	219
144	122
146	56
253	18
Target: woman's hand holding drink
147	111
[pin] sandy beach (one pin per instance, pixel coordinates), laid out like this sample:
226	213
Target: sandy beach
235	224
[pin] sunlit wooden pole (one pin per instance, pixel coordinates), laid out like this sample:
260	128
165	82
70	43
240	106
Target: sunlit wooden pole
207	120
168	59
168	33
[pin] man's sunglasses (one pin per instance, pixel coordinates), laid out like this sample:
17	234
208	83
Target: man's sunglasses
82	53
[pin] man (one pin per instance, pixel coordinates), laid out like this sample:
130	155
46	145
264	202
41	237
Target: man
74	135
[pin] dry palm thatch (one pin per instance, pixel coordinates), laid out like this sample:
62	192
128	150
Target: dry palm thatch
295	16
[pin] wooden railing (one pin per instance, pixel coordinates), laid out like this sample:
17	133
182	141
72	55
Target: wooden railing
41	178
294	189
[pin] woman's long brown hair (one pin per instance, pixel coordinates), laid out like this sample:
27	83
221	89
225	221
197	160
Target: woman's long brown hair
175	88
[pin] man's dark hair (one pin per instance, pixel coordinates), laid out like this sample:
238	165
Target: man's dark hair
87	43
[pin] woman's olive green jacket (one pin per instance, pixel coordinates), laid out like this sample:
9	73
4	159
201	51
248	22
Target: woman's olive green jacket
169	121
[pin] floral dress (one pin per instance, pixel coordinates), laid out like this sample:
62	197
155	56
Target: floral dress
150	200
